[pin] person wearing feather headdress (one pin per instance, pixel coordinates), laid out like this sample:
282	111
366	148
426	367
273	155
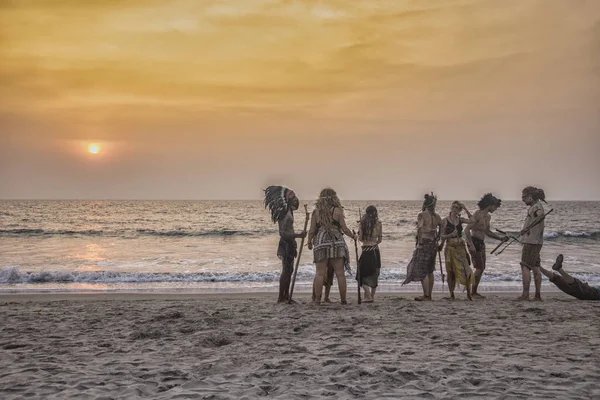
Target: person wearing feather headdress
282	202
422	264
369	264
326	239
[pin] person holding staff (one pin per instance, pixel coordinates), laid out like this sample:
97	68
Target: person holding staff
282	202
532	238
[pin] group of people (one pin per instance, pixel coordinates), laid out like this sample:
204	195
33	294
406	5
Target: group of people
461	239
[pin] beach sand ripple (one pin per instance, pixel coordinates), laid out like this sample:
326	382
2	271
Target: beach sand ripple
246	347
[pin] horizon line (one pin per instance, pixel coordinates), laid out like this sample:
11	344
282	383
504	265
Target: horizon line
301	201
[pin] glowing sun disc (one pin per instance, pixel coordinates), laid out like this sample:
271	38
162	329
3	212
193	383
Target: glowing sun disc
94	148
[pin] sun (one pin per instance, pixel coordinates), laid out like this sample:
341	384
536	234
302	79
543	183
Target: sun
94	148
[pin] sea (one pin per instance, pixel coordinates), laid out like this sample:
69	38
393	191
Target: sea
230	246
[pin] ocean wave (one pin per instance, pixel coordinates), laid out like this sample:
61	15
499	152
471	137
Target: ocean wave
182	233
130	233
566	234
573	235
14	275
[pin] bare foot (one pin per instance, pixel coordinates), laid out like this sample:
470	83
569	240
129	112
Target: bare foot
344	302
523	297
558	264
537	298
367	300
423	298
327	300
469	296
477	296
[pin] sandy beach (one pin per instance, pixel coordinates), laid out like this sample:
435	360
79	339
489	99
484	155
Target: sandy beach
236	346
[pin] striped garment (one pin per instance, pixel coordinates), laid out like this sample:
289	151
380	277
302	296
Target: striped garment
331	244
422	263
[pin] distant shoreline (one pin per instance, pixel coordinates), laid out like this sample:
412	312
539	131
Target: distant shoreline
302	201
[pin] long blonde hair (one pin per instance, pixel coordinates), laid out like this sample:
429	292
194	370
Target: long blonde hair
327	201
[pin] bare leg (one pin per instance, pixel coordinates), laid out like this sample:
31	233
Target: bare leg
329	282
327	291
451	282
547	274
469	288
318	284
427	284
431	281
568	278
367	290
338	268
537	280
478	273
526	283
373	293
284	282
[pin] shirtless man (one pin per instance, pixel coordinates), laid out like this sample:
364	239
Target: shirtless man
282	202
422	264
476	231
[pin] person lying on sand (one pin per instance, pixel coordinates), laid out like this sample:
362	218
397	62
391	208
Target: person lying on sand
571	286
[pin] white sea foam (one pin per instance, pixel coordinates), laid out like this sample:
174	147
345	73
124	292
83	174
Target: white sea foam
14	275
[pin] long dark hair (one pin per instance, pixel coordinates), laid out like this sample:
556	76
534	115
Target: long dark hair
535	193
487	200
368	222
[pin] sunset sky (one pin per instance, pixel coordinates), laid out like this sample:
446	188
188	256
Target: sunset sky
192	99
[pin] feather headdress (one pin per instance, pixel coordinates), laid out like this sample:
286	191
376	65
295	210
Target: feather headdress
276	199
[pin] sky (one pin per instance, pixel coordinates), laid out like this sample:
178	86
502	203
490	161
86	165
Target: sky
379	99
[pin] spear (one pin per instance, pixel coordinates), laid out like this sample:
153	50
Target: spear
299	252
440	259
516	239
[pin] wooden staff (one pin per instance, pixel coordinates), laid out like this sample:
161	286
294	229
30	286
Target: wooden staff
516	239
441	269
299	253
